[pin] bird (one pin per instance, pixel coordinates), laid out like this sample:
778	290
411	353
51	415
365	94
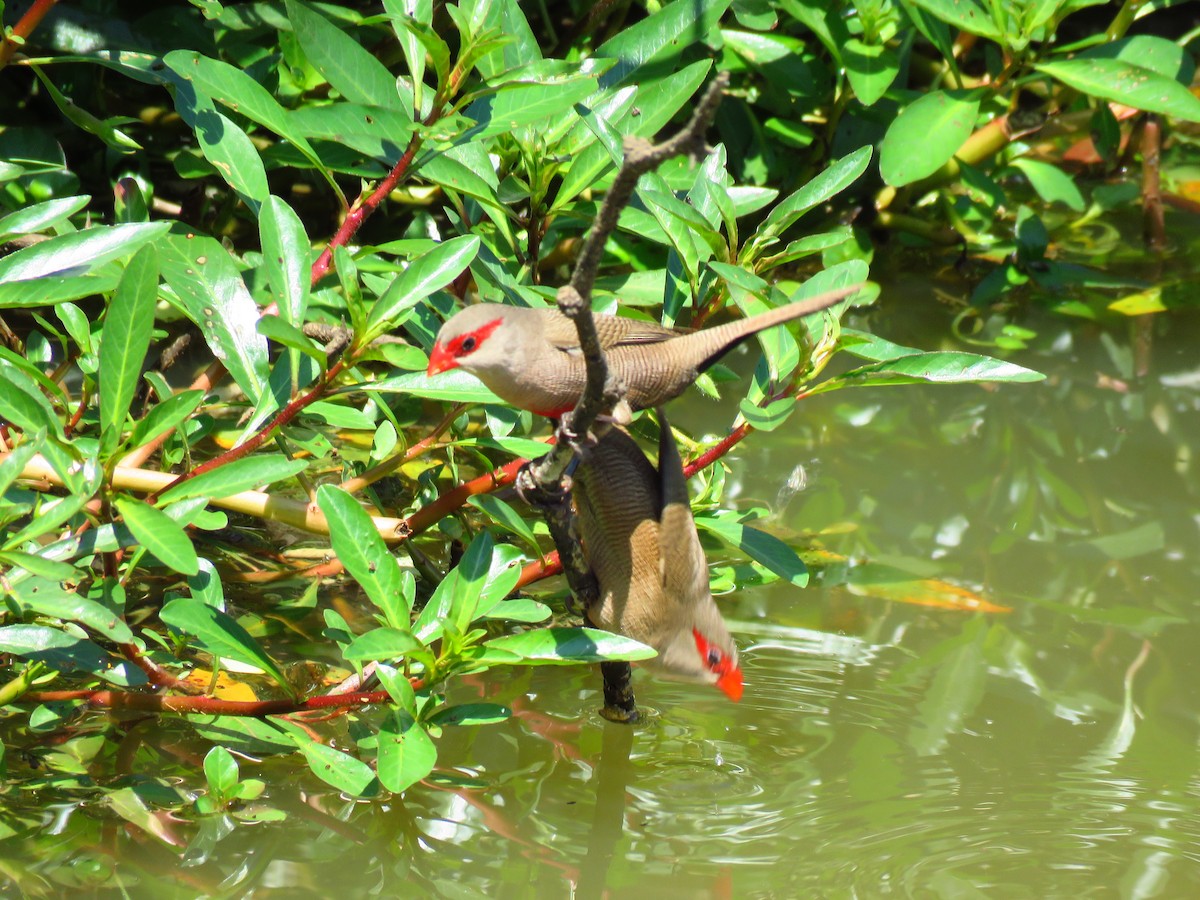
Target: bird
531	358
635	523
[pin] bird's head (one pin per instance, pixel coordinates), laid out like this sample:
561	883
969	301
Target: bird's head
709	656
474	339
721	664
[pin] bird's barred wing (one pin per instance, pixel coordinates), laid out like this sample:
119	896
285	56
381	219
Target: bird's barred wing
613	331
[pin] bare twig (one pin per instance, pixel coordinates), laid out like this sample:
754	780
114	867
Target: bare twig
546	483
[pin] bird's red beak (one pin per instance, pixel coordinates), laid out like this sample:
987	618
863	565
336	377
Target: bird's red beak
730	683
440	360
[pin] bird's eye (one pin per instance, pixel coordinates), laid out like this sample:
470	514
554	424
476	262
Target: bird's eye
467	345
714	658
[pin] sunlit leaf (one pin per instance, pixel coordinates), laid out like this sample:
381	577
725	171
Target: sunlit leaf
361	549
382	643
49	598
78	252
758	545
406	753
239	475
220	635
566	646
208	284
1122	82
128	325
337	769
346	64
926	134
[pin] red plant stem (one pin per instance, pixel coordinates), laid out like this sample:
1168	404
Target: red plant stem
257	439
24	28
717	450
364	208
455	497
158	703
70	426
538	569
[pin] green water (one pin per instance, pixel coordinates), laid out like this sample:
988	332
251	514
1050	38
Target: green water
882	748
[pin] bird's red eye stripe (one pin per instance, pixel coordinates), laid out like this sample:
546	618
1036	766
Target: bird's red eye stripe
729	676
469	342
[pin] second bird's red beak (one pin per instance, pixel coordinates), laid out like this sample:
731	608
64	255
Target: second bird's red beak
731	684
440	360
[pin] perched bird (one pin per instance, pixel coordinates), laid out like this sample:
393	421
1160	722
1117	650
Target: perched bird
640	539
531	357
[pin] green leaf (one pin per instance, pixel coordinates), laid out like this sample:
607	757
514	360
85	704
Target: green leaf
231	87
837	176
49	598
128	326
213	295
55	648
566	646
519	609
14	462
506	517
1051	183
22	404
657	101
239	475
406	752
382	643
649	43
361	549
220	635
926	134
285	334
941	367
761	547
871	69
470	714
126	803
1147	51
342	61
337	769
425	274
75	254
371	130
1121	82
286	253
767	417
105	129
523	103
60	288
1145	538
457	596
220	771
232	154
165	416
160	534
40	216
955	690
455	386
966	15
36	564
